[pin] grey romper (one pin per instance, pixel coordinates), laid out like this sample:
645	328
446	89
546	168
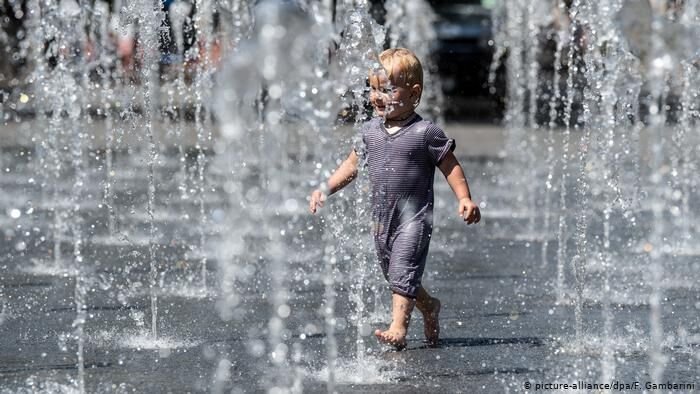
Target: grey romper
401	172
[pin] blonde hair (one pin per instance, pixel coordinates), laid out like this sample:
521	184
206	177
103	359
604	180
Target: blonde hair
409	69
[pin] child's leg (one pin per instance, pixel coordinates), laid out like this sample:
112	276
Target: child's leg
430	308
402	307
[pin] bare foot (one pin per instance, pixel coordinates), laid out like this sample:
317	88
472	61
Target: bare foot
400	317
393	336
431	315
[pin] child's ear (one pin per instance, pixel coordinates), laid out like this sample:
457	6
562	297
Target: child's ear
416	91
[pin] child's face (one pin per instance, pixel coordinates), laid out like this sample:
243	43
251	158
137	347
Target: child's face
392	101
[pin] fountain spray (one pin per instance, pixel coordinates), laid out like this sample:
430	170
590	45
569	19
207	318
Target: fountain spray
179	14
563	232
107	61
262	106
554	101
606	57
361	44
149	16
656	247
203	84
516	26
533	91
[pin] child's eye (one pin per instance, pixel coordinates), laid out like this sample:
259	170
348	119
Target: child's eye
382	90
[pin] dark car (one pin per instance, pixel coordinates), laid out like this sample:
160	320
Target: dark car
464	54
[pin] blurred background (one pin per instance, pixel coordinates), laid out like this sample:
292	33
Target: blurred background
462	52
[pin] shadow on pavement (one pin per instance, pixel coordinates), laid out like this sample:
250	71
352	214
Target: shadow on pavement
469	342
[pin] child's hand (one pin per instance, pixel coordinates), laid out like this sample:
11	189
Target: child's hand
317	199
469	211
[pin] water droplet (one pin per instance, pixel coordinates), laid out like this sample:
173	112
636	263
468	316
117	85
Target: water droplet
291	204
275	91
284	311
256	348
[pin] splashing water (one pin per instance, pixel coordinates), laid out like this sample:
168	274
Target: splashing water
616	58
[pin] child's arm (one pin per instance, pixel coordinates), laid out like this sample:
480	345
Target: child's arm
467	209
341	177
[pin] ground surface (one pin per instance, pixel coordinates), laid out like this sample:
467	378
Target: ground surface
502	327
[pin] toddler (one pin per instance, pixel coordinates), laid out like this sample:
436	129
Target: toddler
401	151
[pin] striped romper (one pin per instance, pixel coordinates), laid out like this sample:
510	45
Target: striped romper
401	172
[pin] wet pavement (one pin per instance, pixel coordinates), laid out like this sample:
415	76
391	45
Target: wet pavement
502	327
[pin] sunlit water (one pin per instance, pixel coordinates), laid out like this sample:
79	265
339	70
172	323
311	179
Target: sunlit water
165	246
